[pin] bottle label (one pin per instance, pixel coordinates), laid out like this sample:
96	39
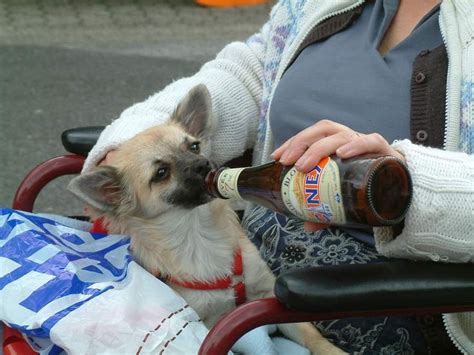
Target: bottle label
227	182
316	195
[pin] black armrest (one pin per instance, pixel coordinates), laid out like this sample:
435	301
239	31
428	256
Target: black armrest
81	140
388	285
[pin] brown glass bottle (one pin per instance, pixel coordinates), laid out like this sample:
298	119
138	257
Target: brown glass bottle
356	192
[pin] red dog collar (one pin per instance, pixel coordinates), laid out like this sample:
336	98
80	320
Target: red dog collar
98	227
222	283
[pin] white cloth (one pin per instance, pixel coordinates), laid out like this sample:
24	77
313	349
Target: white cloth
442	211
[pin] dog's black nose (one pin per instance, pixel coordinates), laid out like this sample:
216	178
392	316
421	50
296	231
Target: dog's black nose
200	167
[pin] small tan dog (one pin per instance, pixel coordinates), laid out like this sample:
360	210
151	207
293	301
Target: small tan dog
154	193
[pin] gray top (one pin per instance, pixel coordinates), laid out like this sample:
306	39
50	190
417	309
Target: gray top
345	79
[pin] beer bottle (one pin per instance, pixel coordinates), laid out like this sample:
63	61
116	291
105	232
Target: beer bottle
357	192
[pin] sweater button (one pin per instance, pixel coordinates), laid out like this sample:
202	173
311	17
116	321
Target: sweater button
424	52
421	135
420	78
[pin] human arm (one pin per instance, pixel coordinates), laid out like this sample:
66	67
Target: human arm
234	79
440	222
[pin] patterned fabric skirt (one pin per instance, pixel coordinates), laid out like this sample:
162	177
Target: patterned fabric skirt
285	245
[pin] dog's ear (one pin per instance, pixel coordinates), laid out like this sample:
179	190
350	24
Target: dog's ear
100	188
194	112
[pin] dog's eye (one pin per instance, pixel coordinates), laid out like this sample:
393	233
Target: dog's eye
195	147
161	174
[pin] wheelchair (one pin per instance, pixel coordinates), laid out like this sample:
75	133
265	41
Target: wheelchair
324	293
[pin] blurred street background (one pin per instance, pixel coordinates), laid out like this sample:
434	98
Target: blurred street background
72	63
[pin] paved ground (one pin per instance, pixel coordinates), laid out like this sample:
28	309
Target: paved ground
68	63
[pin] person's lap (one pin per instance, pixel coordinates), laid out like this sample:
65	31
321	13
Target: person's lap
285	245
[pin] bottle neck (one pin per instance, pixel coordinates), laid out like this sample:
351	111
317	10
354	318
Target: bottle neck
222	183
210	183
225	181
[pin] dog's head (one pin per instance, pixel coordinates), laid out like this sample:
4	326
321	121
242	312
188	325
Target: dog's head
159	169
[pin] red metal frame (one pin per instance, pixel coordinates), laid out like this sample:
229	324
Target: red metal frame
26	194
15	344
41	175
248	316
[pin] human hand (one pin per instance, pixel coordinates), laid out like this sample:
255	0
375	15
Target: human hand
326	138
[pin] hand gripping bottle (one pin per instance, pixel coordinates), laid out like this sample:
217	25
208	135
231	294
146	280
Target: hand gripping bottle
357	192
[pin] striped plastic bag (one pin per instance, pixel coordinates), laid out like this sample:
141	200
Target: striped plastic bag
70	290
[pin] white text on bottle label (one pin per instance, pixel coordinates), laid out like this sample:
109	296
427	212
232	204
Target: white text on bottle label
316	195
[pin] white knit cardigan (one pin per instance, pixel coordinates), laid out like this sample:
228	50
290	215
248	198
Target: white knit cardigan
440	223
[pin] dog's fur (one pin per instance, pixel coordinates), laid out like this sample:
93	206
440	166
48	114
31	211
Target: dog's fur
154	193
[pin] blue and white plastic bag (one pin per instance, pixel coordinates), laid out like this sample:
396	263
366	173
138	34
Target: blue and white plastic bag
66	288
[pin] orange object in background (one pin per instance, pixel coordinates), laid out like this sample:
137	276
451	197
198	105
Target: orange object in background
229	3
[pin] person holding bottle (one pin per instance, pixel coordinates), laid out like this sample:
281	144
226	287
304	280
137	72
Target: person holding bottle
350	78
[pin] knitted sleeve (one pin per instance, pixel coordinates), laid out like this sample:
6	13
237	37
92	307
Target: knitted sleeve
234	79
440	222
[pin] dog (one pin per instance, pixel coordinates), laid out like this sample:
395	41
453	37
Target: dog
154	193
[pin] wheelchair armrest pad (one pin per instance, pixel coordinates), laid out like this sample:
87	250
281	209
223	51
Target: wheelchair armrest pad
386	285
81	140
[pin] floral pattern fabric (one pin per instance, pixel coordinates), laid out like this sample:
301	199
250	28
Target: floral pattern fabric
285	245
